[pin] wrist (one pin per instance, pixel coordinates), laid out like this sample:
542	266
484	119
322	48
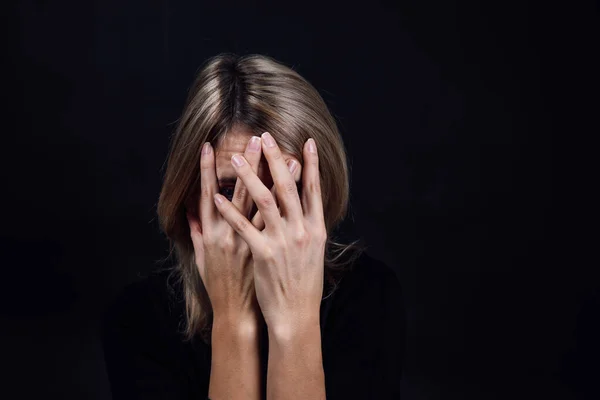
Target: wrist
235	356
238	325
295	331
298	346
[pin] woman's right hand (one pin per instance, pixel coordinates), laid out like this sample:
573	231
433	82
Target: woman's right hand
225	264
223	259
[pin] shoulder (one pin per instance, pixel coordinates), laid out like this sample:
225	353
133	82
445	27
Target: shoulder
368	296
369	279
365	327
152	305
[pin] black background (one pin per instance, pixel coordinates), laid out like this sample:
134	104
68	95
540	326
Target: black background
447	111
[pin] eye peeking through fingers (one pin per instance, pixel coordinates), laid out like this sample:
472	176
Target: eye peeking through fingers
227	187
227	191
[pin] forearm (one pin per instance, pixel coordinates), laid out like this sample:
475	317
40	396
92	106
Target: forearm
295	364
235	362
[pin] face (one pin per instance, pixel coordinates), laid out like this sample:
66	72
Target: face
235	142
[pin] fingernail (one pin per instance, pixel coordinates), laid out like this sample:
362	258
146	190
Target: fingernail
292	164
254	143
268	139
238	160
311	145
206	148
218	198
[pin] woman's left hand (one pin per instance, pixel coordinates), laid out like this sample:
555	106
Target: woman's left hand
289	252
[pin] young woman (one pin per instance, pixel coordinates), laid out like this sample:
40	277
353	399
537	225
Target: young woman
263	301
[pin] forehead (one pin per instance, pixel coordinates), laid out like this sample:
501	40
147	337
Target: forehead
235	141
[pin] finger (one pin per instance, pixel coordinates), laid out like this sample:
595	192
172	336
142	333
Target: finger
208	186
192	202
312	201
265	202
239	222
257	221
241	199
287	191
196	236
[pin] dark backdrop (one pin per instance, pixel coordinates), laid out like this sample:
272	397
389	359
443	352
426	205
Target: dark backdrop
446	112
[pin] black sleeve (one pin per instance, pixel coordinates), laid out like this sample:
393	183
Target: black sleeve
143	358
364	340
386	373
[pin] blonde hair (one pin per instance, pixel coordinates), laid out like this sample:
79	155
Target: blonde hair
261	94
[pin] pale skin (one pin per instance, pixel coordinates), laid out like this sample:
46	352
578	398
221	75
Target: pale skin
269	266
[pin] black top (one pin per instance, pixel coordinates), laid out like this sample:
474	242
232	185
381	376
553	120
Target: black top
362	327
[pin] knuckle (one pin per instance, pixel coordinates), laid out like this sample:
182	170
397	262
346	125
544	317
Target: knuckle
226	243
286	188
266	200
244	173
209	239
205	193
314	187
276	154
240	194
281	242
206	163
244	170
268	255
301	236
240	224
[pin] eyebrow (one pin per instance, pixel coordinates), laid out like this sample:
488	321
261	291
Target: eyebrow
227	180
